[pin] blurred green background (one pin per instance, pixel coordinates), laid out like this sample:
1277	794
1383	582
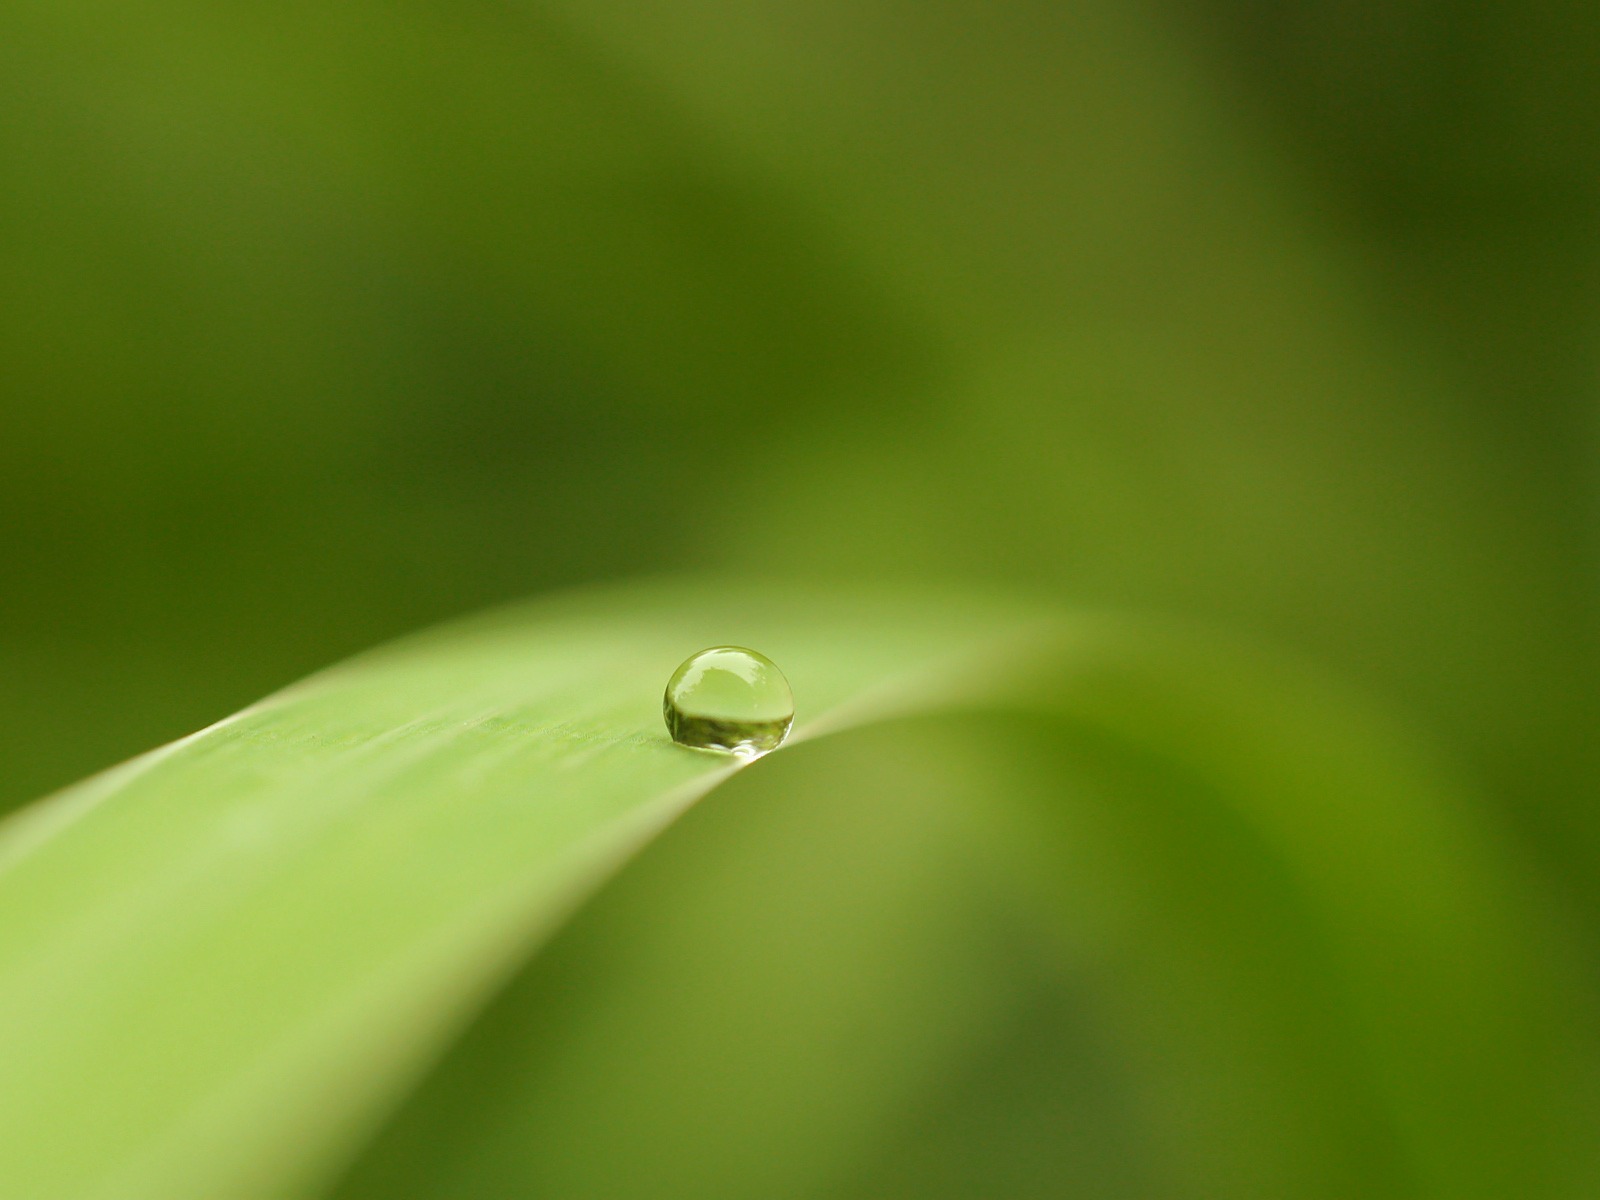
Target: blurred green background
324	322
319	322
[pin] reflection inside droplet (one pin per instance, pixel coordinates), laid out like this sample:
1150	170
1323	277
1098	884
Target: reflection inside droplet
731	699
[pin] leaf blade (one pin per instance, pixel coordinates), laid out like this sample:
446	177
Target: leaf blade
317	889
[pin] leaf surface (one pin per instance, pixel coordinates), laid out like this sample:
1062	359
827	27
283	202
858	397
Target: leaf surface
224	964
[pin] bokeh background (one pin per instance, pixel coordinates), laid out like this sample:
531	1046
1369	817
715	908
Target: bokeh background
319	322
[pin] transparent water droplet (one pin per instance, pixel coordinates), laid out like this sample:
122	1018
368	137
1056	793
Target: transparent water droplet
729	698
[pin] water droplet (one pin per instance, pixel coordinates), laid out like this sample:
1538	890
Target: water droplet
729	698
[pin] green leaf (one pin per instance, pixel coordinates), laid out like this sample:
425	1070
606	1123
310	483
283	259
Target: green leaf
215	960
1173	922
222	965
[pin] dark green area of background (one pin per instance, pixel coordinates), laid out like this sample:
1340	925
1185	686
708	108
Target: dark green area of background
318	323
